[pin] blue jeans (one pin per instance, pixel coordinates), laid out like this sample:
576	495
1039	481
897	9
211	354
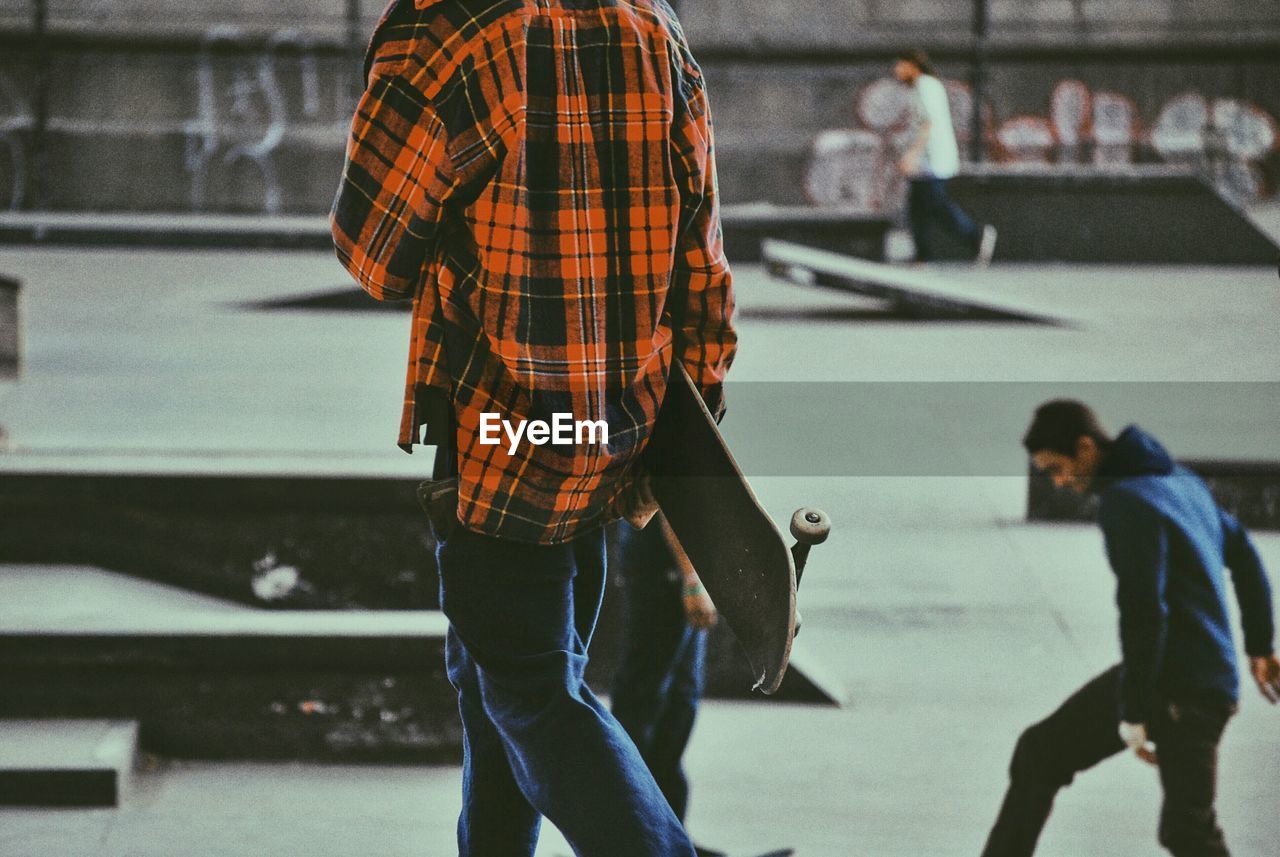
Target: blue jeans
536	741
928	206
659	682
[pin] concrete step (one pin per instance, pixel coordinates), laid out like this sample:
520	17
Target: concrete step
346	536
66	763
213	680
228	682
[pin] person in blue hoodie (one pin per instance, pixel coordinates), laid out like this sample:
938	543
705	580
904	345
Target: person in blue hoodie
1176	687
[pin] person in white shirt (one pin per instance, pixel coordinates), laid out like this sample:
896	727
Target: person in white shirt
930	160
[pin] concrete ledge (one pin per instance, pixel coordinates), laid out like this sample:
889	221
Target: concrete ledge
352	545
262	685
233	683
1250	490
66	763
10	333
211	231
327	637
1127	214
745	226
855	233
264	539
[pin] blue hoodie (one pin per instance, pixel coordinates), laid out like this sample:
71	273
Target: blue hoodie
1167	541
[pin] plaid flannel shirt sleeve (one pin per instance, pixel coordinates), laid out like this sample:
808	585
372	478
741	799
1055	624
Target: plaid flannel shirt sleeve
397	177
701	282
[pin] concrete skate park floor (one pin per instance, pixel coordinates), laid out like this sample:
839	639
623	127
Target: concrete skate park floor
952	622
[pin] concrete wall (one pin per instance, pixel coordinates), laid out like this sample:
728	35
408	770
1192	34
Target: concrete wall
836	24
805	23
157	105
769	118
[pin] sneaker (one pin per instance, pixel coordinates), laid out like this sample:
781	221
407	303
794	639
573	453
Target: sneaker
986	246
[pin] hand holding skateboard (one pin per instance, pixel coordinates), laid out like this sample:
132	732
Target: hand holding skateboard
699	609
725	534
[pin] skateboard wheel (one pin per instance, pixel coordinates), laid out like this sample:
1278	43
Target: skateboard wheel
810	526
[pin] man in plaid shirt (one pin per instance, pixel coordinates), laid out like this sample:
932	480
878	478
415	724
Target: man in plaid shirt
538	177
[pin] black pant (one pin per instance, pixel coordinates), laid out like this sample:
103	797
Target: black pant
928	206
1083	732
659	682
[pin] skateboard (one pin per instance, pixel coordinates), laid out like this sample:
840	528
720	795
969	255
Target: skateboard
728	538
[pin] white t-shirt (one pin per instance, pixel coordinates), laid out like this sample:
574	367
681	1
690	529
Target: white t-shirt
941	157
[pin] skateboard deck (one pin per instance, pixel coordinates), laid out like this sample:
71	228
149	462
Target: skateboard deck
730	540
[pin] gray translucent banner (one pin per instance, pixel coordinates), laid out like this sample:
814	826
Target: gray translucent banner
975	429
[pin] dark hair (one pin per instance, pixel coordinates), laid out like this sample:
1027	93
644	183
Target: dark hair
920	60
1058	426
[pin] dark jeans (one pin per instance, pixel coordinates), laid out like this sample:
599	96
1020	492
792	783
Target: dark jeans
659	682
1083	732
928	206
536	741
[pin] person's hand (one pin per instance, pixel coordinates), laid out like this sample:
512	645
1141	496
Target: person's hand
1134	735
908	163
699	609
1266	672
636	504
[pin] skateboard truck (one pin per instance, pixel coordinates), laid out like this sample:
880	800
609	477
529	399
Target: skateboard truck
809	527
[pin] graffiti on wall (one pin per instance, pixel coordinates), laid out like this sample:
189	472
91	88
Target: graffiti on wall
244	110
1228	139
247	104
258	110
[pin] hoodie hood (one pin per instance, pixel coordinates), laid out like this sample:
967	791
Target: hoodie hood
1135	453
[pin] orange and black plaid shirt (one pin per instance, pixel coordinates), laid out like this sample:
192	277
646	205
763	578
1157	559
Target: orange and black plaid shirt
539	177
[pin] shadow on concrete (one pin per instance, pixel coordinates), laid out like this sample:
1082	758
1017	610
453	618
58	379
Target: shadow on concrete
842	315
355	300
338	299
